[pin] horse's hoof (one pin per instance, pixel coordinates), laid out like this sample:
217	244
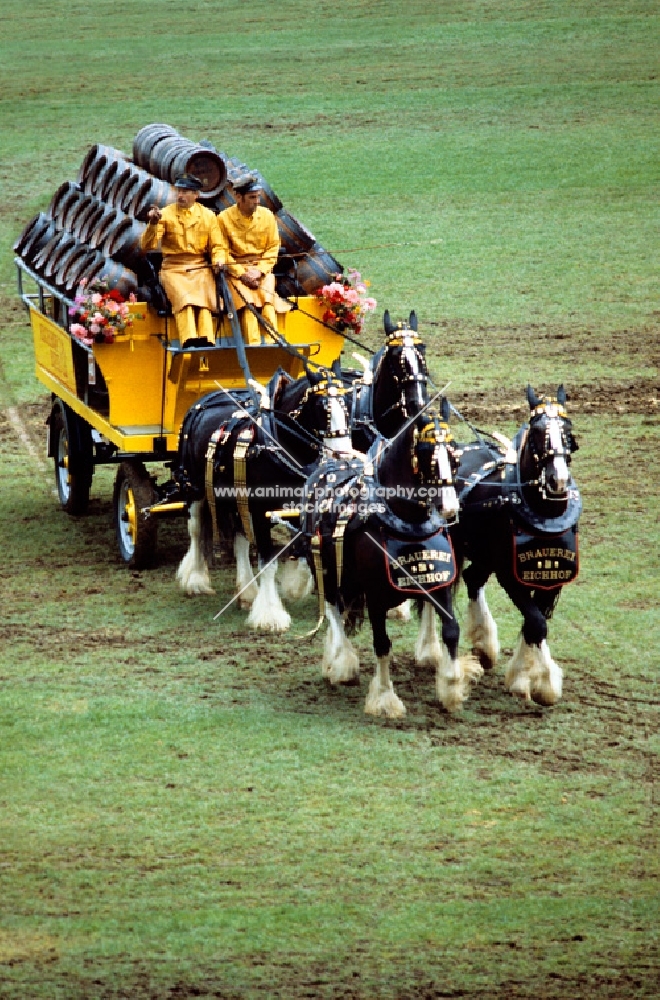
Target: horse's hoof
484	659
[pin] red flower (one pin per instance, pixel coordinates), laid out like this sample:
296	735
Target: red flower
115	295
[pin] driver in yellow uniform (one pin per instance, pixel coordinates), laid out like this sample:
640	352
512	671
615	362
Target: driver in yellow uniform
250	243
188	235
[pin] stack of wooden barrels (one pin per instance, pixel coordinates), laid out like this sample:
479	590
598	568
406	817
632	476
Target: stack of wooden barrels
93	225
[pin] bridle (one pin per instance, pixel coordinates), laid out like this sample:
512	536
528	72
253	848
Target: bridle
555	450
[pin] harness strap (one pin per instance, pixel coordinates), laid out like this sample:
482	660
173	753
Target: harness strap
318	573
208	480
243	442
338	539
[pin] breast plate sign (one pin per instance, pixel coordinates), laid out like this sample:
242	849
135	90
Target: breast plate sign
546	561
418	567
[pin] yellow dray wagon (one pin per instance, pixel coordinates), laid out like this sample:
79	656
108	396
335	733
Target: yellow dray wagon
123	403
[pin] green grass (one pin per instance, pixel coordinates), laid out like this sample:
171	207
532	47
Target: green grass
185	808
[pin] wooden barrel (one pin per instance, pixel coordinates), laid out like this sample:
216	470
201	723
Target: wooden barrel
151	191
122	241
119	277
124	182
35	235
146	139
47	260
91	220
315	268
114	169
166	154
104	224
83	218
76	210
295	238
93	267
123	190
65	194
235	168
95	163
66	276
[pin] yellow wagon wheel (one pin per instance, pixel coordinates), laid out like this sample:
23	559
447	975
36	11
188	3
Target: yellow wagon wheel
70	446
136	532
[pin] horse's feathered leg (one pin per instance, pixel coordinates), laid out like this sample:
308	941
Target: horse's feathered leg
340	663
246	585
267	611
454	675
428	648
531	673
381	697
295	579
193	572
481	630
402	612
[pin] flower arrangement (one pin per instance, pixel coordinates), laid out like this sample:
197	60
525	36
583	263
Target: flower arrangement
100	313
346	301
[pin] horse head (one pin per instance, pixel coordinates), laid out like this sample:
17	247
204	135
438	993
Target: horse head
400	375
418	465
323	410
434	460
548	445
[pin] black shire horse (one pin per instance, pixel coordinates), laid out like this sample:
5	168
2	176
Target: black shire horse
238	461
519	520
377	528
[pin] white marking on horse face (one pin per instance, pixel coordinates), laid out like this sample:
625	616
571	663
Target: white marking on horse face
444	466
412	359
559	463
338	423
450	505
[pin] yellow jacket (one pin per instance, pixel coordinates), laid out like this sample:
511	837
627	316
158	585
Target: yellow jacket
191	230
248	240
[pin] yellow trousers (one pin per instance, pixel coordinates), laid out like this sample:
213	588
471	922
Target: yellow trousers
250	326
190	326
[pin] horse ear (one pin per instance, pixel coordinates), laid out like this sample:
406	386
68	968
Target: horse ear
314	377
445	409
412	321
532	398
561	395
387	323
336	369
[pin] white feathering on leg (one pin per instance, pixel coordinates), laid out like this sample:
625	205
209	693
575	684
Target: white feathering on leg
402	612
295	579
193	573
454	678
519	667
481	631
340	663
267	612
246	585
428	648
546	677
381	698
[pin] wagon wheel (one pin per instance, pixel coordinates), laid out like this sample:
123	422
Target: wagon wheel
136	533
72	451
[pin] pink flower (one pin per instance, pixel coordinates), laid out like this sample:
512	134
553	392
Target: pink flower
96	298
94	328
78	330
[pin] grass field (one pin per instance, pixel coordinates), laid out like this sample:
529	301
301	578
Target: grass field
186	809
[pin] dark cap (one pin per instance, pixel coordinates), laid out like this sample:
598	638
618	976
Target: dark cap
247	183
188	182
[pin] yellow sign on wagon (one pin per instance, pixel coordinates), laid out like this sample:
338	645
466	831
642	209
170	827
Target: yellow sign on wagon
53	350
